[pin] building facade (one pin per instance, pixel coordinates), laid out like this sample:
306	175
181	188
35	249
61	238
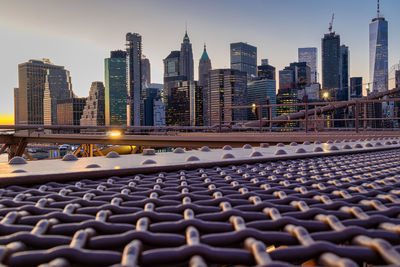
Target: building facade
397	78
146	72
154	109
378	54
331	66
204	68
186	67
227	88
29	96
57	86
94	111
70	110
310	56
344	73
244	58
134	78
266	71
262	92
115	88
356	84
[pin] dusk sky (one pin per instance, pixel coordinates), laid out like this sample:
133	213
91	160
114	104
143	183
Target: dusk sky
79	34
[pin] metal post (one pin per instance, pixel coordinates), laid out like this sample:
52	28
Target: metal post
356	107
365	116
306	117
260	117
269	114
220	118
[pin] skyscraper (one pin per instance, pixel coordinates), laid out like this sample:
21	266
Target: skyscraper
186	59
259	92
30	94
115	88
266	71
310	56
344	73
227	88
331	65
295	76
397	78
356	87
134	78
244	58
57	86
70	110
146	72
378	53
204	68
94	112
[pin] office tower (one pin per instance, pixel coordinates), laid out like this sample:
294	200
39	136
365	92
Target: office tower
171	67
94	111
259	92
184	104
397	78
227	88
57	86
378	53
331	66
204	68
115	88
29	96
70	110
177	107
310	56
264	61
134	78
154	109
295	76
287	96
146	73
356	87
186	59
266	71
286	79
244	58
344	73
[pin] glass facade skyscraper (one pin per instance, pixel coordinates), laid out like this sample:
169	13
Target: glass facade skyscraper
344	73
227	88
244	58
134	78
258	92
115	88
356	87
331	66
310	56
378	54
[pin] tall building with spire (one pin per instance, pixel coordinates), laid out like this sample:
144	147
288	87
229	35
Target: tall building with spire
186	59
134	78
378	53
204	68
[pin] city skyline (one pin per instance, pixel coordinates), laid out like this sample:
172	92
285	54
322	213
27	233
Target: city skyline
92	44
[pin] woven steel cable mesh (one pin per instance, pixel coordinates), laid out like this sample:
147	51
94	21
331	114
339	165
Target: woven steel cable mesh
331	211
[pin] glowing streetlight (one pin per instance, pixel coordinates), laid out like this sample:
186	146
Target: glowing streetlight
115	134
325	95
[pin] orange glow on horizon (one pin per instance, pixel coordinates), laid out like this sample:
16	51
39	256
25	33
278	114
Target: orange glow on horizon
6	119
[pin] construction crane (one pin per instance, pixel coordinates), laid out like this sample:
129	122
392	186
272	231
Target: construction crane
331	23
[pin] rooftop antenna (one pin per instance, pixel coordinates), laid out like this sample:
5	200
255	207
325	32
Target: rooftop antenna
331	23
379	10
185	26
